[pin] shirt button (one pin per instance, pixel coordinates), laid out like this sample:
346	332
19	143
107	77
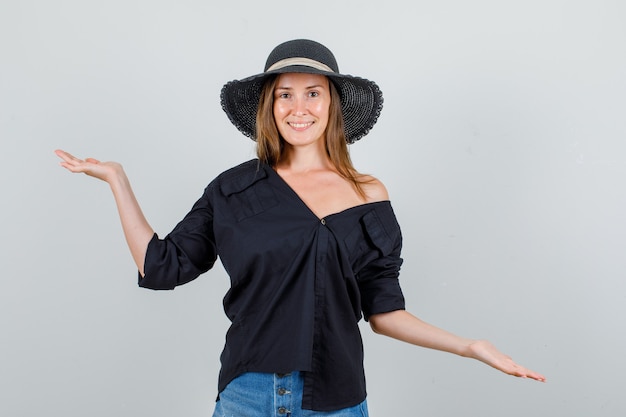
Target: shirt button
283	410
282	391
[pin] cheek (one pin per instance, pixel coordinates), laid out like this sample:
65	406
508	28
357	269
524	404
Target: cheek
279	111
323	111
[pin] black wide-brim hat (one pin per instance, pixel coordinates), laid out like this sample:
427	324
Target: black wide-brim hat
361	99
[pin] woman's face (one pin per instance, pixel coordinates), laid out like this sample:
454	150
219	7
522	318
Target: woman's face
301	107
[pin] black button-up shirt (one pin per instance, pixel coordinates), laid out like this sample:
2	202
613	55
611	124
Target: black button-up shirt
299	284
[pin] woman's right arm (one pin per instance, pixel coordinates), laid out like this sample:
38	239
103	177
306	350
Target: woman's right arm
137	231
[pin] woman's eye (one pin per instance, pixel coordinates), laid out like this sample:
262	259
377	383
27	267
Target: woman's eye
314	94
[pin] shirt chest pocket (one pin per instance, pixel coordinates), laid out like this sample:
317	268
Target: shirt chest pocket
247	195
370	239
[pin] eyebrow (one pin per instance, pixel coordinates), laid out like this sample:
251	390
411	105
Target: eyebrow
306	88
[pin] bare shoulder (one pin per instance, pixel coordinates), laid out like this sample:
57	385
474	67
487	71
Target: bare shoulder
374	189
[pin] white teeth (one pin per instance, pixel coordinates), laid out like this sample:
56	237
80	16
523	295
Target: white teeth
300	125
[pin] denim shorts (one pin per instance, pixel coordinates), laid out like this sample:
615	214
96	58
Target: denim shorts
272	395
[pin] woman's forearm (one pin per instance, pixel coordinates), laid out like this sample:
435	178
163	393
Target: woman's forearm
136	229
404	326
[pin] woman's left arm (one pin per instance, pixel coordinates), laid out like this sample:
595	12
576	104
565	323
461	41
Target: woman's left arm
404	326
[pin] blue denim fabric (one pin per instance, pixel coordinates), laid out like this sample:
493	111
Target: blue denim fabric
272	395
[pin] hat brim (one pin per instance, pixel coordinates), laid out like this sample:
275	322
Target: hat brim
361	100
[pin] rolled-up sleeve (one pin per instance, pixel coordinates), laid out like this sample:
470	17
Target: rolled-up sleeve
380	287
379	279
186	252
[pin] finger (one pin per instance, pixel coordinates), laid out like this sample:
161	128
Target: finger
62	154
527	373
536	376
92	160
66	156
70	162
73	166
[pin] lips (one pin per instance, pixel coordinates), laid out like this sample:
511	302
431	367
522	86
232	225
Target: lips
300	126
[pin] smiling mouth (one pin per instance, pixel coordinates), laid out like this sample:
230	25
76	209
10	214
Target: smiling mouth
300	126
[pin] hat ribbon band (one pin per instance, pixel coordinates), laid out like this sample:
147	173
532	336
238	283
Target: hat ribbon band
300	61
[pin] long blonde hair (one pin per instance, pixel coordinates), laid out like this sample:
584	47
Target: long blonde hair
270	145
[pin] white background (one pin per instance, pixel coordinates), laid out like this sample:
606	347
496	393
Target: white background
502	143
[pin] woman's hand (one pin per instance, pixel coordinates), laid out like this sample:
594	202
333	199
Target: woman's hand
402	325
104	171
486	352
136	228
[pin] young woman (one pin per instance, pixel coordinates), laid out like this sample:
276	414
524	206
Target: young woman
310	244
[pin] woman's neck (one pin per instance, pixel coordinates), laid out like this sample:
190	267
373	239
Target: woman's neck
302	159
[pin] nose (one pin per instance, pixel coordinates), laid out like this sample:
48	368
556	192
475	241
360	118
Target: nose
300	106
